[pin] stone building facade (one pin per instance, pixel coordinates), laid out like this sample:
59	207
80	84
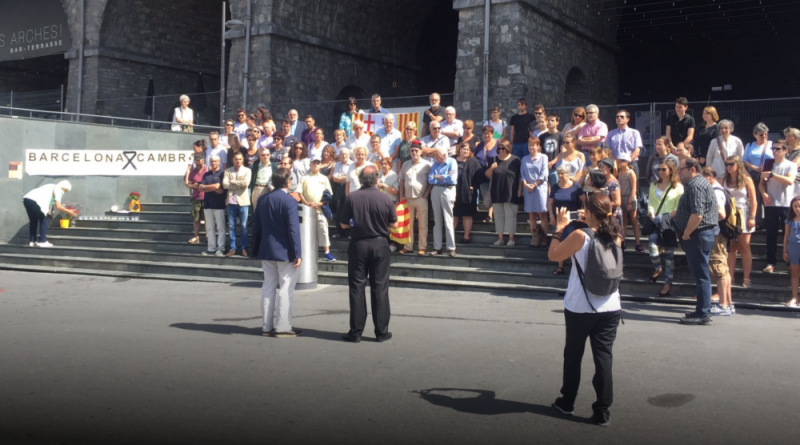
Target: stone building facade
305	51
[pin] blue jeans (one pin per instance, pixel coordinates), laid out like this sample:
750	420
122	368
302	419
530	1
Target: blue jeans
520	150
697	249
241	212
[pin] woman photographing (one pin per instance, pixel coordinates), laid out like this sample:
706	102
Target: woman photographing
593	316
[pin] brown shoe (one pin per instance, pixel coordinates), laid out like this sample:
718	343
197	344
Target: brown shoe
403	251
421	252
244	253
452	254
230	253
293	333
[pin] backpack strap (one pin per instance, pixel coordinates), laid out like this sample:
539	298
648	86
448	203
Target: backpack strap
590	233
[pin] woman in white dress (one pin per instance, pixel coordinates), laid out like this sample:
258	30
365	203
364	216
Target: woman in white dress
740	186
183	117
723	147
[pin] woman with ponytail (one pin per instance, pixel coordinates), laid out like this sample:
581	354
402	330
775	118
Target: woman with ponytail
593	316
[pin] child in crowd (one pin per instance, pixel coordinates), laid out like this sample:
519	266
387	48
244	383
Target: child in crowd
791	247
629	188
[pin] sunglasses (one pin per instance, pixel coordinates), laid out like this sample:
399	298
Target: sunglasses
578	115
730	164
663	169
621	117
502	148
229	125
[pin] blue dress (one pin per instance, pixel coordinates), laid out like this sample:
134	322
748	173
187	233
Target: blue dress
533	170
793	244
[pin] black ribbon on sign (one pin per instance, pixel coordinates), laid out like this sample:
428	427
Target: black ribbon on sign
130	155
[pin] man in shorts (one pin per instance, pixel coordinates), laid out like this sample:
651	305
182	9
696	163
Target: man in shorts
718	260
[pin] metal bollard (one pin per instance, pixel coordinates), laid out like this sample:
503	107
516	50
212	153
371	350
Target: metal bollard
308	247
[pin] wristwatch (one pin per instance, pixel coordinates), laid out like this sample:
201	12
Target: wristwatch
770	175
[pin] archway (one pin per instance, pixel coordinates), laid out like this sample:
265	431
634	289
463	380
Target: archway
175	43
577	90
437	50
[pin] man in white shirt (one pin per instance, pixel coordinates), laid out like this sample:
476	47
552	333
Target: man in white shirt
241	127
390	136
216	149
358	138
452	128
414	187
433	141
376	150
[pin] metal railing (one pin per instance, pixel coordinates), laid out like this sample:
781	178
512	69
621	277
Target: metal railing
50	100
160	108
97	119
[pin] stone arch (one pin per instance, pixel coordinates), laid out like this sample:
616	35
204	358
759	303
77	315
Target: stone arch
578	89
175	43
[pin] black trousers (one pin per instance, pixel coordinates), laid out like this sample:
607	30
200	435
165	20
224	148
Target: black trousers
601	328
368	259
336	207
37	220
774	220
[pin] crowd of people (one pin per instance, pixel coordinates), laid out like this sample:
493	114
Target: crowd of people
530	161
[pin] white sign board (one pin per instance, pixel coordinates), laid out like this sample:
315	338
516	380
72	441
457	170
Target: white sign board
44	162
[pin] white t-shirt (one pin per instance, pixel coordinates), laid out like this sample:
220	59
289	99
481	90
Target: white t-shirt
353	142
184	114
220	151
456	126
499	128
575	300
316	153
391	180
781	194
241	130
352	176
342	169
45	196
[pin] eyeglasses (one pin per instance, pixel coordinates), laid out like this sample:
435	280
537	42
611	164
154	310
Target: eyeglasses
730	164
435	128
591	112
622	117
578	115
663	169
229	125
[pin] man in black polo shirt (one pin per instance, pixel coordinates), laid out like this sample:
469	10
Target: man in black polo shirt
680	127
371	213
214	207
435	113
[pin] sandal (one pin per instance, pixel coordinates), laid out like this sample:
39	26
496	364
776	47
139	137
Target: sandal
559	271
194	240
654	277
791	304
747	283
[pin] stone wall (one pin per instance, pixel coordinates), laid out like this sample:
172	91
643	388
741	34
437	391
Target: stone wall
95	193
533	47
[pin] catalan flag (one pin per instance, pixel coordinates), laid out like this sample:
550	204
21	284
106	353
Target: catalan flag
402	233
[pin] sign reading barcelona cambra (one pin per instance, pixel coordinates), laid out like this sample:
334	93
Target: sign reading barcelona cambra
106	162
32	28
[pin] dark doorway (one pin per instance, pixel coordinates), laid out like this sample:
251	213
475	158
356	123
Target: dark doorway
437	49
36	83
577	89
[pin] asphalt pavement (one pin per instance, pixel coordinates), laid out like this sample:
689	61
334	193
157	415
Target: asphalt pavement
94	360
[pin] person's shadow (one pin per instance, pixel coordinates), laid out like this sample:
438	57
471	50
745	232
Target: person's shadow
485	403
232	329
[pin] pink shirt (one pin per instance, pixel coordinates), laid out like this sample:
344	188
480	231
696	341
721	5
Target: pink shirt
590	130
196	177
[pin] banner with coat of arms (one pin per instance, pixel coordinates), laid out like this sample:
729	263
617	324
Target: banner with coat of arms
374	121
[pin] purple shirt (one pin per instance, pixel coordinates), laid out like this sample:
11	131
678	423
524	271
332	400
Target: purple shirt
599	128
196	177
624	142
308	136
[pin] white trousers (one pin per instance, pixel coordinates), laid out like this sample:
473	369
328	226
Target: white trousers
505	218
215	222
442	200
280	279
322	230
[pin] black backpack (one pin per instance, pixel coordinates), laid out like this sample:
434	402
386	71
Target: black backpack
603	267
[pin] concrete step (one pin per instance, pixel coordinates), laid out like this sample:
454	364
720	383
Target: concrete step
176	199
536	274
154	215
166	207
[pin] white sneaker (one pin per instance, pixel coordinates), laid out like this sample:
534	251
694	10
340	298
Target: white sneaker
511	243
732	308
31	244
498	243
392	248
44	244
219	253
717	310
769	269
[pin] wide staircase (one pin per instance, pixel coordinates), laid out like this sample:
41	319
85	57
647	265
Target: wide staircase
155	246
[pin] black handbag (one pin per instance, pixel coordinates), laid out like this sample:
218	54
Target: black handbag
646	224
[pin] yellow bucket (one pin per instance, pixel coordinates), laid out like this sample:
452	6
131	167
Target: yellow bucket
64	223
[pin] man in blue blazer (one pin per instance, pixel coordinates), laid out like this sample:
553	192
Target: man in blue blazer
276	242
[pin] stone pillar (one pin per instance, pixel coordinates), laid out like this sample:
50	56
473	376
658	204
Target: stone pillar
534	45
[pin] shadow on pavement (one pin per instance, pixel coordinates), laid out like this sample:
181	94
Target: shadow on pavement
232	329
486	404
